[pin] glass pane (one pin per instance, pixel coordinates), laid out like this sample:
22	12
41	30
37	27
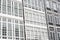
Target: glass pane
54	5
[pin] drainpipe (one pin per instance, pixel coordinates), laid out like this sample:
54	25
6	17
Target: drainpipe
24	20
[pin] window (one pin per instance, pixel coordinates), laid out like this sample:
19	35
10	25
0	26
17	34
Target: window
57	20
30	16
12	8
51	28
16	8
26	15
16	21
58	29
22	39
4	9
29	2
58	0
20	6
27	21
9	29
16	30
9	7
35	3
0	28
9	2
54	5
25	2
4	33
10	33
4	37
28	33
25	5
21	21
15	4
9	37
0	18
0	25
4	24
9	10
40	5
4	6
32	2
17	38
0	6
20	13
21	28
4	30
51	19
48	3
59	7
52	35
28	38
21	33
58	36
9	20
4	2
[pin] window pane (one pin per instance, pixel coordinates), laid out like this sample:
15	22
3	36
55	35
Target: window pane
4	33
9	20
4	2
4	9
58	36
0	28
54	5
15	9
0	6
29	2
20	13
16	30
21	33
59	7
47	4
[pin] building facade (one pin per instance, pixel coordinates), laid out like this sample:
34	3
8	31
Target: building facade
53	19
11	20
29	20
35	21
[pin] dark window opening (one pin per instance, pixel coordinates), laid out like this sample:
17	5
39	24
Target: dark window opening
58	0
55	11
58	29
57	24
4	37
51	28
48	9
50	23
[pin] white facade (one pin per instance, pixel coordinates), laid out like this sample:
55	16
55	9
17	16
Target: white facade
35	21
11	20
